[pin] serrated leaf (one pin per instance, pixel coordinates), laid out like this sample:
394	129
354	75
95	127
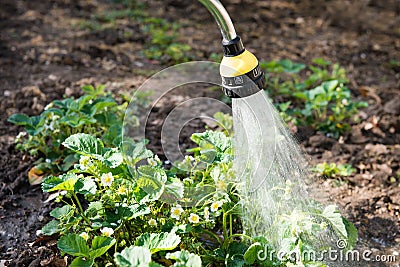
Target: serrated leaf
74	245
93	209
235	251
80	262
86	186
100	245
352	234
67	185
184	258
135	152
68	162
157	242
333	216
133	256
251	254
84	144
174	190
99	106
113	159
60	212
291	67
152	181
133	211
51	228
20	119
216	139
62	182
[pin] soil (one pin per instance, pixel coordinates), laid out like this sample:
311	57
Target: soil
45	54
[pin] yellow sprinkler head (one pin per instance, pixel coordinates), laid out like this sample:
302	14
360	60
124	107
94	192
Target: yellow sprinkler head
240	71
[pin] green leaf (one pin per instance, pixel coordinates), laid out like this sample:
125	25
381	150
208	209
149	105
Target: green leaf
113	134
100	245
234	254
74	245
60	212
157	242
329	86
321	61
63	182
251	254
174	190
352	234
86	186
84	144
217	139
68	162
100	106
51	227
133	211
88	89
113	159
291	67
135	152
93	208
133	256
20	119
80	262
152	181
184	259
333	216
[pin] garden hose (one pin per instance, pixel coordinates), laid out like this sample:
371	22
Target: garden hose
240	72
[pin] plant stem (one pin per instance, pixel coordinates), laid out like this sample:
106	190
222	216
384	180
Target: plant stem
230	225
80	208
224	226
216	237
242	235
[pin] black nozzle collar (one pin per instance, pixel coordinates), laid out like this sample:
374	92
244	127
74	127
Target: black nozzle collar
244	85
233	47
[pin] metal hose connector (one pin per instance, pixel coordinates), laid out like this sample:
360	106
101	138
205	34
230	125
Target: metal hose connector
222	17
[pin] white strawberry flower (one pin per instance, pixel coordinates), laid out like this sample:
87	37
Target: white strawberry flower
84	235
194	218
152	222
176	212
107	231
215	206
84	160
107	179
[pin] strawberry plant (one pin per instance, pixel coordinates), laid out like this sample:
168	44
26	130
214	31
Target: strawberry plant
333	170
147	215
96	112
320	100
328	107
119	205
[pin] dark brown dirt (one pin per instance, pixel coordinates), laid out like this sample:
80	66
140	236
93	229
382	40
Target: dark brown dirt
44	54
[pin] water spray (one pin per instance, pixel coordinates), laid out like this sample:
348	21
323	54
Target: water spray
270	168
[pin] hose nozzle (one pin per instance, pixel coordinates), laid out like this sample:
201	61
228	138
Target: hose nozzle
240	72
